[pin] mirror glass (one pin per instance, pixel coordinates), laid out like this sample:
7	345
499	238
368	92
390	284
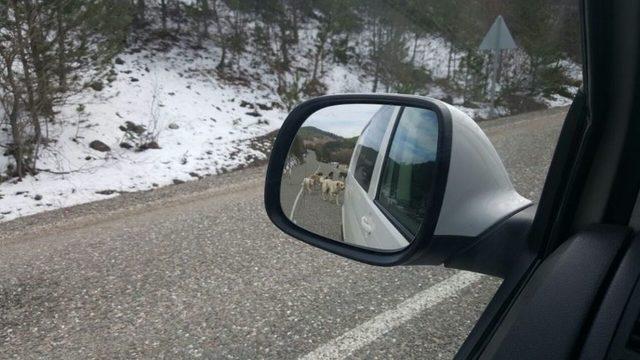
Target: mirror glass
362	174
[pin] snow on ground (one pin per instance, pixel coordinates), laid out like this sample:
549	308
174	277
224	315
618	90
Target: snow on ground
556	100
345	79
203	125
201	129
433	52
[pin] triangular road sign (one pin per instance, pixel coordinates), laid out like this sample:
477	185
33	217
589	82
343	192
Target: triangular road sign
498	37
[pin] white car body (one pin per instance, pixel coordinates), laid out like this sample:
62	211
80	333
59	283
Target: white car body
363	222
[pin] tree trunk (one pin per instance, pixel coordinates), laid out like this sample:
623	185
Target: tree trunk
296	36
237	30
36	43
31	102
322	37
34	107
16	131
499	66
163	14
205	18
376	77
449	61
220	35
465	92
178	11
415	47
139	17
533	72
61	51
17	138
376	57
223	58
284	47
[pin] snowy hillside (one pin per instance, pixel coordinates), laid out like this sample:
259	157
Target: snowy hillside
200	124
204	125
163	115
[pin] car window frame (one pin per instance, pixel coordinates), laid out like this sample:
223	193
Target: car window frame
359	146
372	192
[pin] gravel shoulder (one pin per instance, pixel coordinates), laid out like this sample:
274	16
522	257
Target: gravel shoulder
129	204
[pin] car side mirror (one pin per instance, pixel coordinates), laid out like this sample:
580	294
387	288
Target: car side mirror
386	179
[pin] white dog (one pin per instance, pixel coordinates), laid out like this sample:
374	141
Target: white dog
332	188
308	184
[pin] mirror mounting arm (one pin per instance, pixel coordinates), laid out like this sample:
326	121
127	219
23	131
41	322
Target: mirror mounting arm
499	249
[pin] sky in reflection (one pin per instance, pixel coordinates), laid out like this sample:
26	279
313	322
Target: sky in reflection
416	137
345	120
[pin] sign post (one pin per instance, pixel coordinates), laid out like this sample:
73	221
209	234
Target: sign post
498	38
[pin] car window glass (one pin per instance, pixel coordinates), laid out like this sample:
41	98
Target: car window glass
369	146
409	168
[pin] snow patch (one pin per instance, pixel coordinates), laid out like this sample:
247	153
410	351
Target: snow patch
209	133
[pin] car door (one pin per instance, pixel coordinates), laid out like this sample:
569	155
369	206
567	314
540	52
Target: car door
359	224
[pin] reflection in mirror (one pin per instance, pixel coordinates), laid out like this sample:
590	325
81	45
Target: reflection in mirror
362	174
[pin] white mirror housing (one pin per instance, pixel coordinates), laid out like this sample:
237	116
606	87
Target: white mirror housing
471	201
479	192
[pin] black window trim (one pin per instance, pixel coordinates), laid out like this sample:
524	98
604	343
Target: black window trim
379	150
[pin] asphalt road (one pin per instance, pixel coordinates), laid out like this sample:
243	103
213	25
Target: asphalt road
197	270
311	212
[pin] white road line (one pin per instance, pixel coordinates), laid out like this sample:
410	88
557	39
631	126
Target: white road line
295	202
367	332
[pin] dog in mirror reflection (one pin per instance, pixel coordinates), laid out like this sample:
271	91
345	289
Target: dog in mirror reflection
331	189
